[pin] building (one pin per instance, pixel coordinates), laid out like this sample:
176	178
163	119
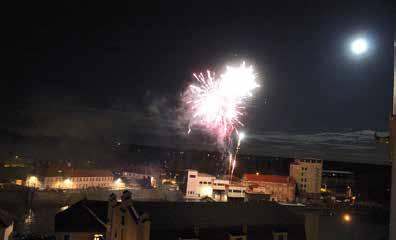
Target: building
307	173
338	182
131	220
278	188
201	185
72	179
146	176
85	220
6	225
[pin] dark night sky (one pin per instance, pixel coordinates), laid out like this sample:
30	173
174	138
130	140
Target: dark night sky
89	70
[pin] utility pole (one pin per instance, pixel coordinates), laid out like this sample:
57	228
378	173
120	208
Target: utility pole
392	220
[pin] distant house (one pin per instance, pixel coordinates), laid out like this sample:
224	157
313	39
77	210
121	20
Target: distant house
200	185
278	188
6	225
307	173
132	220
69	178
85	220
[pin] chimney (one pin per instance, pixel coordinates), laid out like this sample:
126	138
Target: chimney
110	210
126	198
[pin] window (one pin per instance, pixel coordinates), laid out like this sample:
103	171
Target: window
98	236
200	182
122	220
192	176
302	174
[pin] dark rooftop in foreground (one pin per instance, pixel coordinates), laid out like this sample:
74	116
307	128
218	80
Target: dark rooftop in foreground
170	219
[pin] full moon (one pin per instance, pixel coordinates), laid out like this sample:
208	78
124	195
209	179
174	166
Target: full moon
359	46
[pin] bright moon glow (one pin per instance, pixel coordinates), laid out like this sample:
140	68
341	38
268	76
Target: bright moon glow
359	46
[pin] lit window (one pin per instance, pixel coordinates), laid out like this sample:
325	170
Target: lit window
98	236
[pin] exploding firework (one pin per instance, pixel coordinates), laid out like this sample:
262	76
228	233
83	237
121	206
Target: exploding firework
217	104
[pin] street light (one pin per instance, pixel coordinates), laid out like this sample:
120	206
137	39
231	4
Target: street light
346	217
241	136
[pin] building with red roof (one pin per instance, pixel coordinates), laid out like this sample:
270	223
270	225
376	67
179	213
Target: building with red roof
278	188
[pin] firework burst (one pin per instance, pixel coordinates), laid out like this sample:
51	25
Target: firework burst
217	104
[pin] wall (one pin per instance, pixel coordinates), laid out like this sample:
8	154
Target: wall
75	236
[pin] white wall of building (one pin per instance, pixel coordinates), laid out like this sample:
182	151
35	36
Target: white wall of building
308	174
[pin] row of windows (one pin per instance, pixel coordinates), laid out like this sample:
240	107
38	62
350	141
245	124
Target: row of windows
95	185
218	184
209	183
304	168
190	192
235	191
303	180
84	179
92	178
311	160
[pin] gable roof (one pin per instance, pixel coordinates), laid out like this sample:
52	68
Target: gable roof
84	216
266	178
184	215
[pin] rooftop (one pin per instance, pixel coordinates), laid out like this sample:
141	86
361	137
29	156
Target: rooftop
69	172
266	178
84	216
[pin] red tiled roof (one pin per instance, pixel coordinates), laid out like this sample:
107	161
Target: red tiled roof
68	172
266	178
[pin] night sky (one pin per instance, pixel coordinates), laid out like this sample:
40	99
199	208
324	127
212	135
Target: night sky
116	72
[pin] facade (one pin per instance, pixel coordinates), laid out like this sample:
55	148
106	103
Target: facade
307	173
85	220
278	188
72	179
132	220
6	225
201	185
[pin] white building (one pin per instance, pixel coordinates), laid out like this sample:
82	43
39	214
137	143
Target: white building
200	185
308	175
72	179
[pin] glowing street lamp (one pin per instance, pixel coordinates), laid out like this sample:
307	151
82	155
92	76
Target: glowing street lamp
68	183
32	181
118	184
346	217
241	136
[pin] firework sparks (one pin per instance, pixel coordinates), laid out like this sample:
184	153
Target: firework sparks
217	105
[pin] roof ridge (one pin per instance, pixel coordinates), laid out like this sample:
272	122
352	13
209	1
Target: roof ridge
94	215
